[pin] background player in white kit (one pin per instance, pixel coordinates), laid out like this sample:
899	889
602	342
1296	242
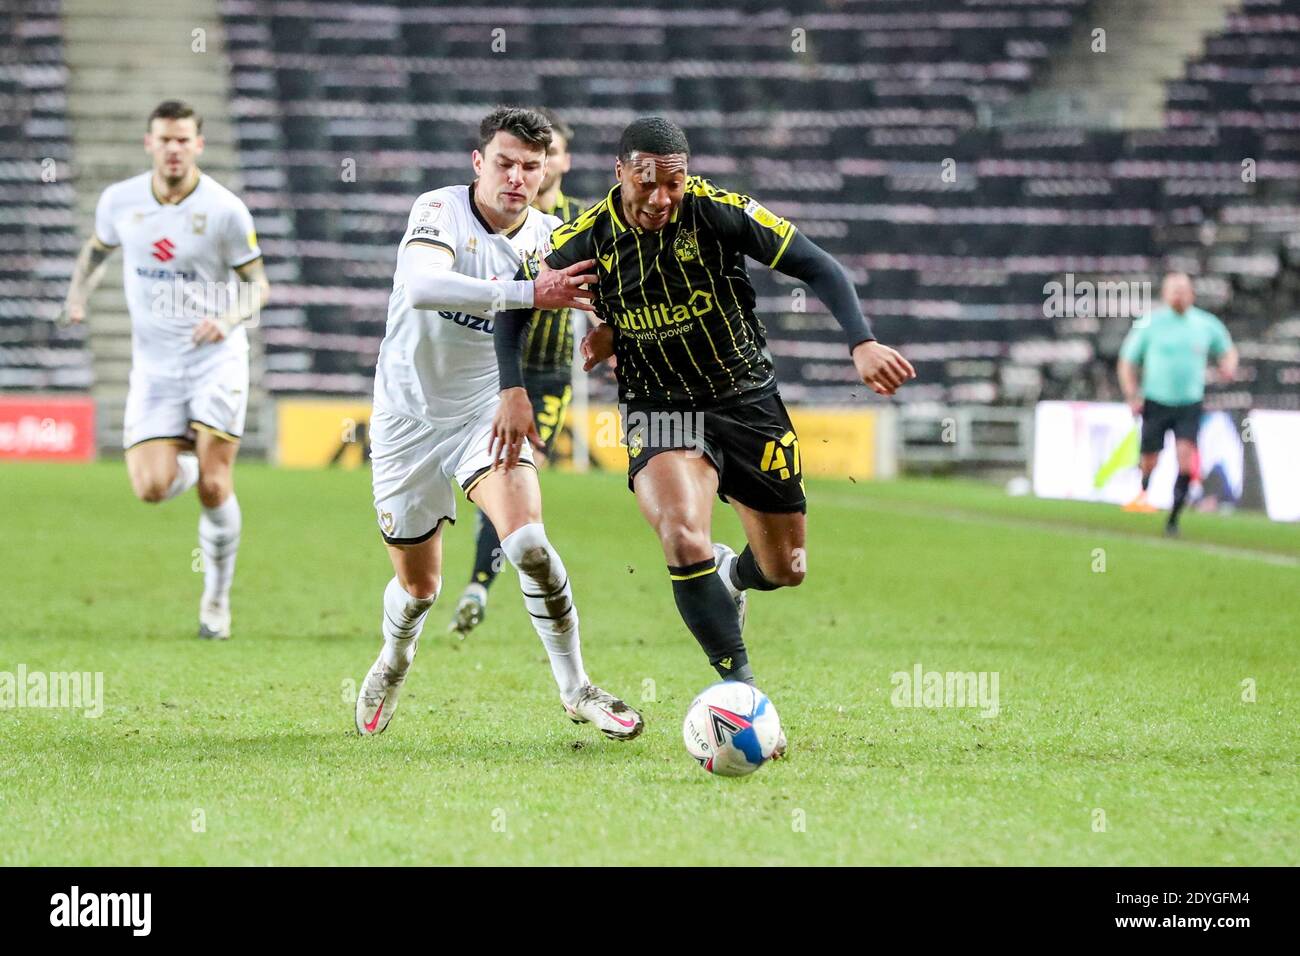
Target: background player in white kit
184	237
436	391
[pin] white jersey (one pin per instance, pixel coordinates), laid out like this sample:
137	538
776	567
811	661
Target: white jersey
441	367
178	262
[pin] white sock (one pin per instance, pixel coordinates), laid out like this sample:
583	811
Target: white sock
549	600
403	620
725	567
187	473
219	540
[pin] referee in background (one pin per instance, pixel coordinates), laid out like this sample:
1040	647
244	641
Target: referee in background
1171	345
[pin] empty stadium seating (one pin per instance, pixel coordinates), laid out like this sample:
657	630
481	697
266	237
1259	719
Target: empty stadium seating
38	240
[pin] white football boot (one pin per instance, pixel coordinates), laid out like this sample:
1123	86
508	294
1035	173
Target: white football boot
377	699
723	557
612	717
214	620
470	610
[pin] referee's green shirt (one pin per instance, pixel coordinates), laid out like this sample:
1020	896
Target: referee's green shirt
1172	350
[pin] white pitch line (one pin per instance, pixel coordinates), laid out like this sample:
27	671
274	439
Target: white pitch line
974	517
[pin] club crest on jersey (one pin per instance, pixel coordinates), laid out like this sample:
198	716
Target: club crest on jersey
163	250
635	444
472	245
686	247
199	222
532	264
386	522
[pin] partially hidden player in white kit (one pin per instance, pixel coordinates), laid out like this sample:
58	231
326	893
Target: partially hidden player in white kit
436	391
185	238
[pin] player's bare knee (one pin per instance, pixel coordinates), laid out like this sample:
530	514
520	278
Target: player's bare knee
214	489
150	488
423	586
685	543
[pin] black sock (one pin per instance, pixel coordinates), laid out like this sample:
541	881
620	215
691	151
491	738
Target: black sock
708	610
746	575
1180	495
487	553
1146	480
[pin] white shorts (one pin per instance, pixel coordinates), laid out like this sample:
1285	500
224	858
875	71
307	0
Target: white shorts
414	463
176	406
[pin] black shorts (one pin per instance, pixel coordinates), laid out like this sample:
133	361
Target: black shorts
1185	420
550	393
753	447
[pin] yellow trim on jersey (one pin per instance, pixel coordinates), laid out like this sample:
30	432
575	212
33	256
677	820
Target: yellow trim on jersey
613	213
693	574
215	432
436	243
178	442
780	252
162	202
701	187
474	483
566	231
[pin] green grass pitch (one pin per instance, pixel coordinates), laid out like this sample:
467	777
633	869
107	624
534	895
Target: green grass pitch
1125	732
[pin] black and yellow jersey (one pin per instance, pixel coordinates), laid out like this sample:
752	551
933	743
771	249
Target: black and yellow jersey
550	337
679	299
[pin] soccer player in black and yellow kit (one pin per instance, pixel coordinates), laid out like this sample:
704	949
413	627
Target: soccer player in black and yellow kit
700	405
548	379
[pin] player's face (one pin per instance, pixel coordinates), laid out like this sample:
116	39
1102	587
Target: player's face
1177	293
509	173
175	145
557	162
652	187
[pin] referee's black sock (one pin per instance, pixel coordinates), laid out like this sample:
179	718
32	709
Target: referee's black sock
746	574
1180	495
708	610
487	553
1146	479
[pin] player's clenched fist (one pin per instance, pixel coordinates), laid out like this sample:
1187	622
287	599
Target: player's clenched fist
564	288
881	367
511	426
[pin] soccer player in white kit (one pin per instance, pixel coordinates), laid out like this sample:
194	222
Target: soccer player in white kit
184	238
436	391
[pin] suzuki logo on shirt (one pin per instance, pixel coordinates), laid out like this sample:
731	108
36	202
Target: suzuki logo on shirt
162	250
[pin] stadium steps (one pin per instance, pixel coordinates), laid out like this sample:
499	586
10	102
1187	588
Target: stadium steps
122	62
1147	43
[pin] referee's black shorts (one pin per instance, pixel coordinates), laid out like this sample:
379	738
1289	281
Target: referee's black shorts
1184	420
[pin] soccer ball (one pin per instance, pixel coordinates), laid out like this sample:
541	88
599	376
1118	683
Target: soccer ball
731	728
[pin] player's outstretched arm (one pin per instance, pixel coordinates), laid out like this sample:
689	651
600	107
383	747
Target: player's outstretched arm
252	277
513	422
879	366
86	275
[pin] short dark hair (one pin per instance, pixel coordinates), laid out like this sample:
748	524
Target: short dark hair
557	125
652	134
173	110
529	125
